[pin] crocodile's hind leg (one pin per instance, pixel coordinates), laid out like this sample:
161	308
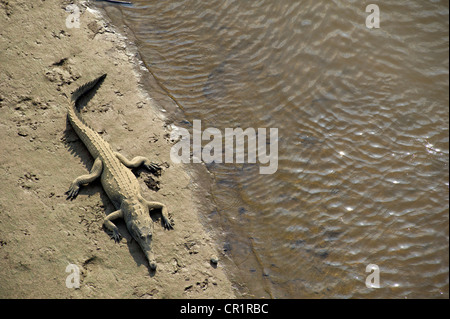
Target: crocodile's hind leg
138	161
95	172
165	217
107	222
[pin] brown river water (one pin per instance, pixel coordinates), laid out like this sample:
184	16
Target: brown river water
363	136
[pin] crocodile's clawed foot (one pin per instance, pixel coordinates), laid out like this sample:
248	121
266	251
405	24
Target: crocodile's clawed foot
116	235
166	223
153	167
72	193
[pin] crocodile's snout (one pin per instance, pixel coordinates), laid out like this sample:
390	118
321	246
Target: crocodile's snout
145	243
151	259
144	238
152	265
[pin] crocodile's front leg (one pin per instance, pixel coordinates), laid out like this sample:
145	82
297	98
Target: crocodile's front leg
138	161
107	222
165	217
95	172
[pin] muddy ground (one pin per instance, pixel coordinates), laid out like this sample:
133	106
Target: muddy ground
42	61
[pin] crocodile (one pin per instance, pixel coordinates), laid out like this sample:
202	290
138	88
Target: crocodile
118	181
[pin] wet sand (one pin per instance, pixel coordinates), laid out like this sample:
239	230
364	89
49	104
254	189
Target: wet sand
41	233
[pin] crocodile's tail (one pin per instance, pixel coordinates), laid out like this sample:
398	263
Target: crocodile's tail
80	97
85	90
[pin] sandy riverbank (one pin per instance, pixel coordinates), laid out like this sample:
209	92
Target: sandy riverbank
42	62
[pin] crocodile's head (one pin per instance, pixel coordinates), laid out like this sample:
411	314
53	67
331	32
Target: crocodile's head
139	225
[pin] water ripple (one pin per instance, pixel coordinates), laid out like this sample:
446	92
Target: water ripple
363	136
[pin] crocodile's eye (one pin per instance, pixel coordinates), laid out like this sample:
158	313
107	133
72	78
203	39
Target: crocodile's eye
146	236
